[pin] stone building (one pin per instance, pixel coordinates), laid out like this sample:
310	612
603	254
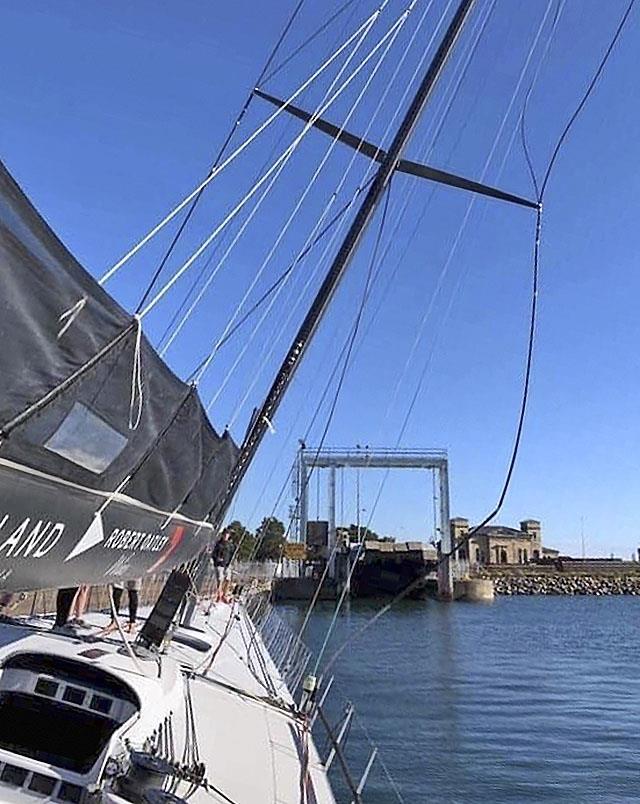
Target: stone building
497	544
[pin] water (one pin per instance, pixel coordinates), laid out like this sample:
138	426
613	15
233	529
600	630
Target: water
529	699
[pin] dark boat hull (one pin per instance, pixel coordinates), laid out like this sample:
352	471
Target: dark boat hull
388	576
52	534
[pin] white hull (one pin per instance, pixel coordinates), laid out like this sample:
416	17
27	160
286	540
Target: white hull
249	737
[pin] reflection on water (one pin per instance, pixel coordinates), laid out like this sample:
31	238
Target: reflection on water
527	699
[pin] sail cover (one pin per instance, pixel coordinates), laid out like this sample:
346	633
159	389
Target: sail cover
78	422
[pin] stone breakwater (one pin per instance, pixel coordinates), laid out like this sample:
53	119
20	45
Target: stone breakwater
562	584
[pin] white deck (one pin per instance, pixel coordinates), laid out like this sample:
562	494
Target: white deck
249	739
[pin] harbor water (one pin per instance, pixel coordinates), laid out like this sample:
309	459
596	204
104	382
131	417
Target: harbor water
528	699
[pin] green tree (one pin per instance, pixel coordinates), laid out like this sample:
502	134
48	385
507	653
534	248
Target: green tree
239	535
271	539
363	534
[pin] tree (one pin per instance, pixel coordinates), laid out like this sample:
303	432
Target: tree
239	535
271	540
363	534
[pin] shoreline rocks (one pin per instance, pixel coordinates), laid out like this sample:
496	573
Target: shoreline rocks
560	584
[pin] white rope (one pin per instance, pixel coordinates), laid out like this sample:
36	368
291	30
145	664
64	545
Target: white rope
249	341
116	267
123	636
137	395
285	156
70	315
367	173
285	228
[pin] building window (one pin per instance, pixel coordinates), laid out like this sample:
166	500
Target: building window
526	557
477	555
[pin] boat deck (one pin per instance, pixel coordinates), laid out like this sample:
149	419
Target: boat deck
254	746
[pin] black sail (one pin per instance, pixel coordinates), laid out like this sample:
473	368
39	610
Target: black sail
68	352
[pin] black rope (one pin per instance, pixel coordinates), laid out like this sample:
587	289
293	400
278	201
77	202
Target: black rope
237	122
585	97
265	78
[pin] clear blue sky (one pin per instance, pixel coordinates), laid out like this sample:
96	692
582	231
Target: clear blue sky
111	112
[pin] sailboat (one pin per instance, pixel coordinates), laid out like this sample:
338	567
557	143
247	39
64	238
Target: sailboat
110	470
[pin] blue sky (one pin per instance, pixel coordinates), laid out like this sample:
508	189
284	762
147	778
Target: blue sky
112	112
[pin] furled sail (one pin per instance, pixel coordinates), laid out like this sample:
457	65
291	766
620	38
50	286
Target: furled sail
109	466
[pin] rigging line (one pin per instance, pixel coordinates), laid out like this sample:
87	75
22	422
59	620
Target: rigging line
299	203
234	127
527	364
529	361
284	157
409	196
463	225
445	317
292	426
206	265
288	435
585	97
343	373
274	342
312	37
408	589
345	347
370	166
260	539
187	199
525	105
201	273
274	286
316	412
392	782
265	262
439	119
293	310
536	259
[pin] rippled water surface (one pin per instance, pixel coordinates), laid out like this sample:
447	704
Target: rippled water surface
526	699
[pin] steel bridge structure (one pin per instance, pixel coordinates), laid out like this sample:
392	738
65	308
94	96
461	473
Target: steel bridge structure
332	459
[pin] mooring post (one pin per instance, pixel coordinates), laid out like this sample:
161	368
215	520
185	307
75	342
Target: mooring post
445	567
304	498
332	537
